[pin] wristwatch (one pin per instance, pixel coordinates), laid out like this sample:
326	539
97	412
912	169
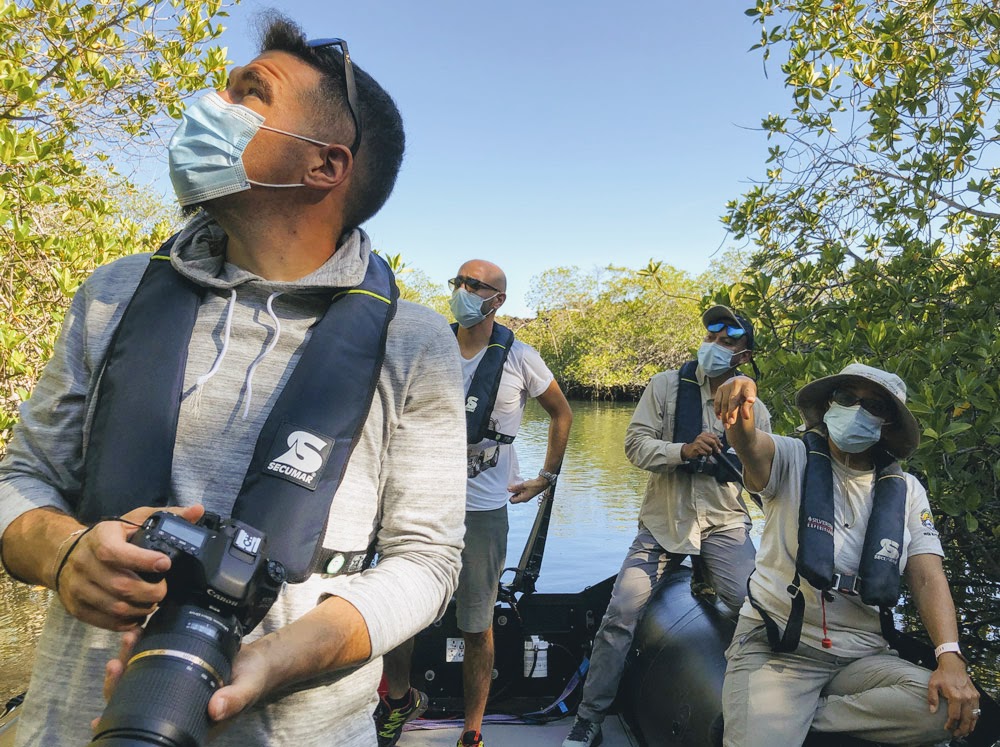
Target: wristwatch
549	477
950	647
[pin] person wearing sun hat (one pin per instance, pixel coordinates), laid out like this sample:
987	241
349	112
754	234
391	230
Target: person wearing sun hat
692	505
842	523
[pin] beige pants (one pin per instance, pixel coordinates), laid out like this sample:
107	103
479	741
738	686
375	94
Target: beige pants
771	699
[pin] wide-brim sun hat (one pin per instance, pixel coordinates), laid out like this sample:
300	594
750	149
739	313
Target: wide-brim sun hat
900	437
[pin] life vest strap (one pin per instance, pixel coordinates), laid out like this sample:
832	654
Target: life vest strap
344	562
482	392
500	438
788	641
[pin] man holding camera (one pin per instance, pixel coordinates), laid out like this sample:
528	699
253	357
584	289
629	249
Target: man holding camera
261	367
692	504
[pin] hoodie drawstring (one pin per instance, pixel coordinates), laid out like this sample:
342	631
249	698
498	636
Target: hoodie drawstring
248	383
268	349
203	379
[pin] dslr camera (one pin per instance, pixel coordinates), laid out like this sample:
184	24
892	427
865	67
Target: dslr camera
219	587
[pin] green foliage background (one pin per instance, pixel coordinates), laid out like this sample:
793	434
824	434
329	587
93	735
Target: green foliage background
875	239
876	229
605	333
79	80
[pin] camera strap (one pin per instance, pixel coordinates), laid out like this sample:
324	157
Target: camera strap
305	444
689	424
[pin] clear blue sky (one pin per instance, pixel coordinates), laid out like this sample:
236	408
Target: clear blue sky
542	134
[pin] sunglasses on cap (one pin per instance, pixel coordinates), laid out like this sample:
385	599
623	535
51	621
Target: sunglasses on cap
875	405
471	283
318	46
731	330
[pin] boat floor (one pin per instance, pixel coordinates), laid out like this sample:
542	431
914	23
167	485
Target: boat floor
616	734
552	734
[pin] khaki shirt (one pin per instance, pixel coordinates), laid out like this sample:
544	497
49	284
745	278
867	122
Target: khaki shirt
679	507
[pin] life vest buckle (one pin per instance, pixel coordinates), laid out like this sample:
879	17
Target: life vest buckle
845	583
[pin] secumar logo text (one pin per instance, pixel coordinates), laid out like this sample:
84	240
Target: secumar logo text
299	455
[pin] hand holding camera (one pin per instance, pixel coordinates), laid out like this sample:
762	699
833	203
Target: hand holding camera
97	575
219	587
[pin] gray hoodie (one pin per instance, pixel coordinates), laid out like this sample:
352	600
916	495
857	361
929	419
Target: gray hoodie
404	486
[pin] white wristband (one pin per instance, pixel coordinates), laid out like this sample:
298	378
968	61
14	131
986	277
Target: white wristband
950	647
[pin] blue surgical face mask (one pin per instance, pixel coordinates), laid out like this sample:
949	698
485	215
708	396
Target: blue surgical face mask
715	359
206	149
852	429
468	307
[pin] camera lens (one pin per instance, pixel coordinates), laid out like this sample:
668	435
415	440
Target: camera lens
185	655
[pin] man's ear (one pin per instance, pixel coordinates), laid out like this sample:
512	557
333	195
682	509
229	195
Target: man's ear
499	300
333	167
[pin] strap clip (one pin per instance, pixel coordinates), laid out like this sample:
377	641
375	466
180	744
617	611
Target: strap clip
847	584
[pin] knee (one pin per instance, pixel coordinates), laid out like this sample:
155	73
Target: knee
732	597
622	614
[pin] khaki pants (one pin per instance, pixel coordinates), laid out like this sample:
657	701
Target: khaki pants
771	699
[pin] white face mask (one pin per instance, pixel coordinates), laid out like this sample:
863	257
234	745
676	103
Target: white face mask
206	150
715	359
852	429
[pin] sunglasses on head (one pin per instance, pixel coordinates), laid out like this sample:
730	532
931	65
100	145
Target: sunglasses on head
318	46
471	283
731	330
875	405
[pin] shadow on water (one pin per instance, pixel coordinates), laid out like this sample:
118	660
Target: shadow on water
593	523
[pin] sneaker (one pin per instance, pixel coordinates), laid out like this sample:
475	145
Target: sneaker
583	734
389	721
471	739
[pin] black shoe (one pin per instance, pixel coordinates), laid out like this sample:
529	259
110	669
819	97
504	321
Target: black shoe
389	721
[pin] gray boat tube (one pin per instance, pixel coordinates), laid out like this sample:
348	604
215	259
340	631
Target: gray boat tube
671	692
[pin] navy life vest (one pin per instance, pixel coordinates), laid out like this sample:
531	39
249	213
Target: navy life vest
482	394
305	444
878	576
688	425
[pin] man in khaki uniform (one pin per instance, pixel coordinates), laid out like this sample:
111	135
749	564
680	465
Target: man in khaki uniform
692	504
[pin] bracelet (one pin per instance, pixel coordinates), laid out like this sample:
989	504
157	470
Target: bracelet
80	534
951	647
55	558
549	477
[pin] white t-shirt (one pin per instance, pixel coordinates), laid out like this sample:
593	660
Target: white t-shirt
852	626
493	466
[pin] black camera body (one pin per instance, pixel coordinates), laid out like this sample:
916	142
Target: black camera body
217	564
219	587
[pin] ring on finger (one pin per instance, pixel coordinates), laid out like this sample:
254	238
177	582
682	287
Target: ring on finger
976	712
